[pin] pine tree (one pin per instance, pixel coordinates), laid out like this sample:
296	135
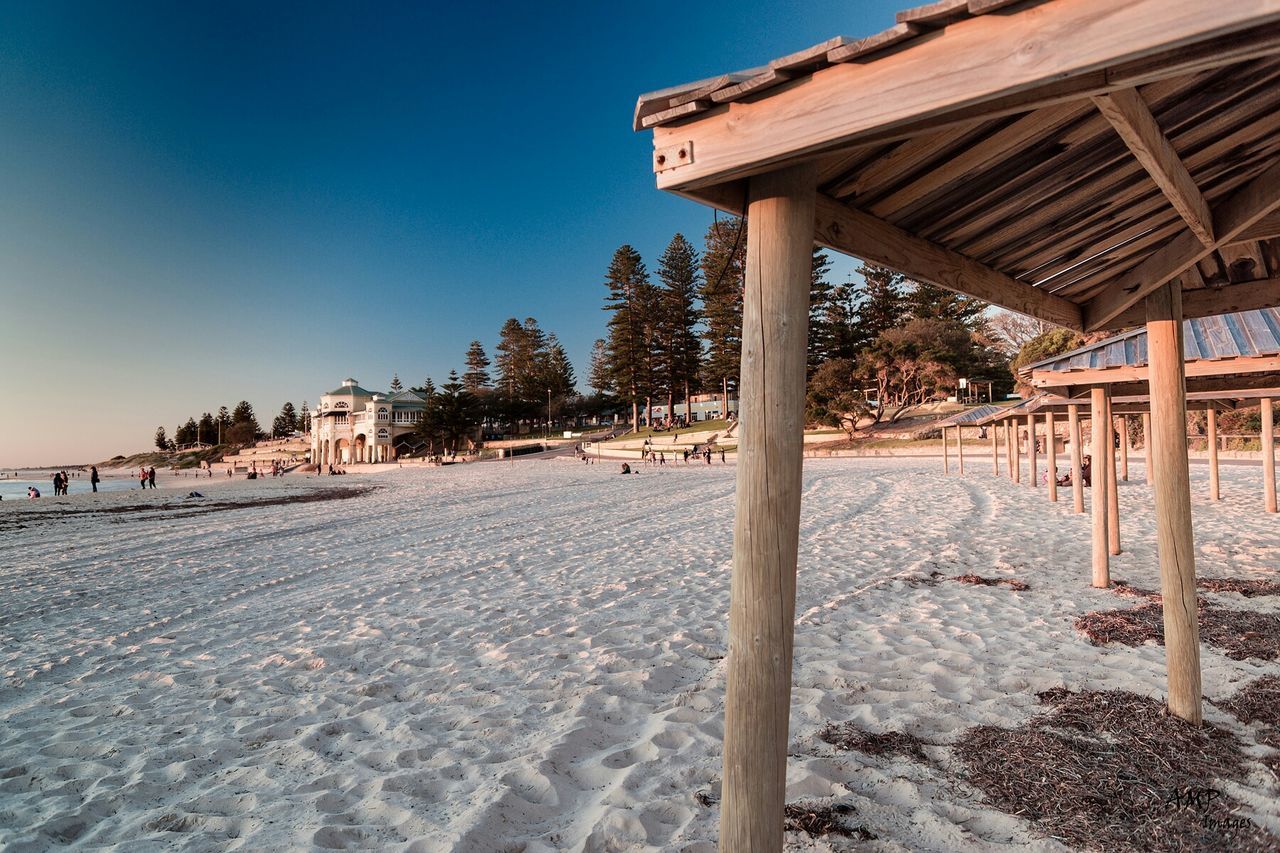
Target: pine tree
286	422
628	353
723	276
679	350
304	421
162	442
244	426
224	419
396	387
477	376
208	430
881	303
531	363
510	345
600	380
930	302
824	330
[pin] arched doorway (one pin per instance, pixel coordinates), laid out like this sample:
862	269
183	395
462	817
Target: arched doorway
361	449
341	452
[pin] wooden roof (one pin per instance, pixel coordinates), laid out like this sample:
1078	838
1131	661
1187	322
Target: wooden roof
1228	355
1061	158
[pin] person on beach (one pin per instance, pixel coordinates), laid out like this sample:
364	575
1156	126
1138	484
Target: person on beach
32	493
93	477
626	469
142	478
722	456
57	483
151	476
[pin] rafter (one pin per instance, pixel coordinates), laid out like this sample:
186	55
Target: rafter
854	232
1132	119
1231	218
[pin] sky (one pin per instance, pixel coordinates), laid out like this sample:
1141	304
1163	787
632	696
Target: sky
207	202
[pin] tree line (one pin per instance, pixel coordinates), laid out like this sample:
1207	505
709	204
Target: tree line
875	348
238	426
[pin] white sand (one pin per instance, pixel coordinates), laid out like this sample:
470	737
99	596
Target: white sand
529	658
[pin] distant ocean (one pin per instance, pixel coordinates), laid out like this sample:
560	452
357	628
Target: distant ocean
11	489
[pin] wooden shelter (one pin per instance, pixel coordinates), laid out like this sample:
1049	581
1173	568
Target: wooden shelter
1093	163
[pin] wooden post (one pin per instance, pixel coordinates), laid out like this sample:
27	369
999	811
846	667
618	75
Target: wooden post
1214	493
1113	496
767	523
1175	541
1098	485
995	450
1050	434
1124	448
1268	455
1146	447
960	447
946	461
1077	484
1031	449
1014	452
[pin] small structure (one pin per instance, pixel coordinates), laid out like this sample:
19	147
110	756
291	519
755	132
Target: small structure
351	425
699	407
1091	163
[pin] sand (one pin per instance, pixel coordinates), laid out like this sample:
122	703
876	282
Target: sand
529	657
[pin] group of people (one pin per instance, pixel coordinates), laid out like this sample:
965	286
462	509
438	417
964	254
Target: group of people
61	480
147	477
1086	474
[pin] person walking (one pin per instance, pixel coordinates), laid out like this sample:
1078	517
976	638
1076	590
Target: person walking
57	483
151	476
142	478
93	477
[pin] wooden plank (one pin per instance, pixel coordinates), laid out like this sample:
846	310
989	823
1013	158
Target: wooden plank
882	40
970	67
1268	455
767	519
810	59
1243	261
983	155
982	7
1211	302
902	160
1175	544
937	14
1113	493
1132	119
844	229
756	83
1244	207
1052	447
1264	229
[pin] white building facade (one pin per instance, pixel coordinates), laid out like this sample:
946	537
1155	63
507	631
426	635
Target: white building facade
351	425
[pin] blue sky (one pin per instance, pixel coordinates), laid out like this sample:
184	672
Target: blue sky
208	202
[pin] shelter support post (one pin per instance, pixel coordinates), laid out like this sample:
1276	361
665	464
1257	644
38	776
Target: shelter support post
1175	541
946	458
1052	466
1268	455
1146	446
1214	491
1031	448
1098	484
995	449
781	213
1124	447
960	447
1015	454
1113	495
1077	483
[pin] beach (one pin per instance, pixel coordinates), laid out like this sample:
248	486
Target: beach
530	656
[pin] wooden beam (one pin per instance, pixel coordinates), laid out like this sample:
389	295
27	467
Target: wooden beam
1031	449
1077	484
1264	229
960	448
1113	490
1132	119
1214	490
946	459
1124	446
1213	301
995	450
1268	455
1175	542
963	72
840	227
1098	484
767	520
1052	448
1231	217
1194	370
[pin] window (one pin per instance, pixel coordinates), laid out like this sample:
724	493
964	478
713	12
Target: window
382	413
